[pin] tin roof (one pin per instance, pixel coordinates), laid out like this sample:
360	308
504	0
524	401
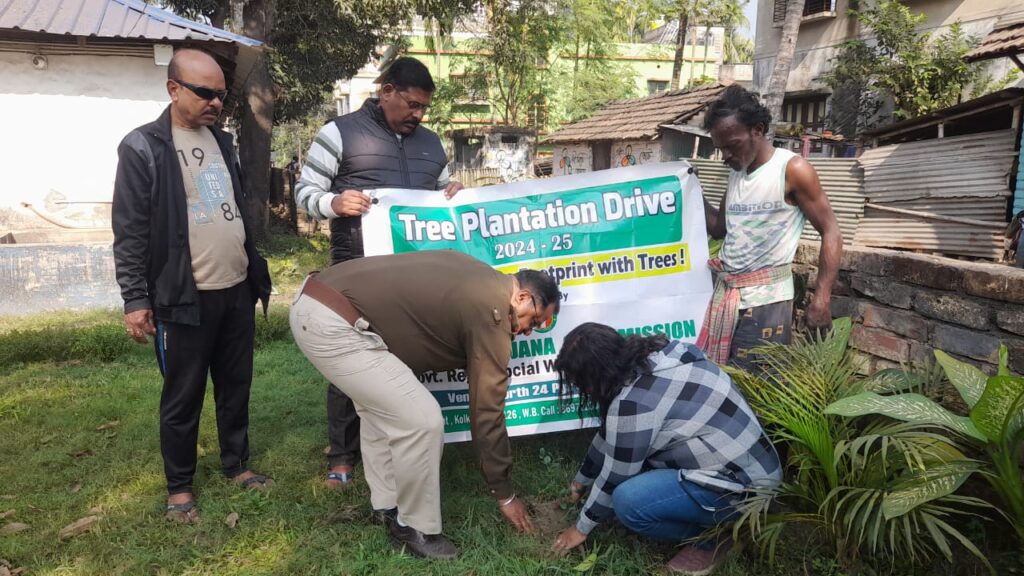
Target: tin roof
1006	96
127	19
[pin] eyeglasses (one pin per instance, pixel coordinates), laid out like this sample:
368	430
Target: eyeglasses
204	92
412	104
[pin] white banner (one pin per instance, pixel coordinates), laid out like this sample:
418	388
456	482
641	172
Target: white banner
627	246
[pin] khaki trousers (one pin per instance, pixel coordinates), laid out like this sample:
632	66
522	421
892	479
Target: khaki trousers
402	431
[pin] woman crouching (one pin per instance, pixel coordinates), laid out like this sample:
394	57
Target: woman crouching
677	448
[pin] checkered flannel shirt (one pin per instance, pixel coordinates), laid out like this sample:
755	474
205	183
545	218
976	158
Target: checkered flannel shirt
686	415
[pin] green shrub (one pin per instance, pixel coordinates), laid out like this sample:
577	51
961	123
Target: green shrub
104	342
50	343
995	425
291	257
873	488
273	328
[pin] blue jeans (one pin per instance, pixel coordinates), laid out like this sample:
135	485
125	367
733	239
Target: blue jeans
658	504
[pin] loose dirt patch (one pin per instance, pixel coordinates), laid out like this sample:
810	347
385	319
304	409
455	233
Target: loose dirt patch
548	517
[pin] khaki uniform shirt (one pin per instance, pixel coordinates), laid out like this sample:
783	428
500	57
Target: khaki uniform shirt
442	310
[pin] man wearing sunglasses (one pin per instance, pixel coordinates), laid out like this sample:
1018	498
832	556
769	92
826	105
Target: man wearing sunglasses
381	145
371	325
189	272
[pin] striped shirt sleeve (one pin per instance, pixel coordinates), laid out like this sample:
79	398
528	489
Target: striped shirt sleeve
592	463
443	179
313	192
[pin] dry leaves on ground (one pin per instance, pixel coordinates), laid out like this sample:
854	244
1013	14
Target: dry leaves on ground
346	513
108	425
14	527
232	520
79	526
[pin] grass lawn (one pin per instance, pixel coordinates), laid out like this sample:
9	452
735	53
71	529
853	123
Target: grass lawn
79	437
58	467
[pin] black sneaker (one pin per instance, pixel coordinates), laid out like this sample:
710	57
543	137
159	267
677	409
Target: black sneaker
385	516
433	546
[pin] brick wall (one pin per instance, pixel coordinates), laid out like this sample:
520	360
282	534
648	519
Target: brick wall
906	305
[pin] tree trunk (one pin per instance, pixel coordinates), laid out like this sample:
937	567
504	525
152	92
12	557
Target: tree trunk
728	49
219	14
776	91
254	138
707	40
677	61
693	59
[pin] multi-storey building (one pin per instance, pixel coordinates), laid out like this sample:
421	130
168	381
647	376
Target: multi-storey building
452	60
827	24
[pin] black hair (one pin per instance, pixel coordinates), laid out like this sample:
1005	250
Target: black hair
739	102
542	286
597	362
408	72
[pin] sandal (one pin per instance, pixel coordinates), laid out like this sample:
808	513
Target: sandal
342	478
255	482
184	513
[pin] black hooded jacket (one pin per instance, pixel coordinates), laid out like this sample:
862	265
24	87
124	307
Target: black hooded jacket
150	221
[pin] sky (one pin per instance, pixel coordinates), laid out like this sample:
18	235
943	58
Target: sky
750	11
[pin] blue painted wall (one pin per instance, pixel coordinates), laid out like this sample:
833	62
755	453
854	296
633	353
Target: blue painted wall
1018	195
43	277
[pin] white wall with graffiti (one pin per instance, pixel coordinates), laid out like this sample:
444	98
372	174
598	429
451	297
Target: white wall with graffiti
511	155
635	152
572	159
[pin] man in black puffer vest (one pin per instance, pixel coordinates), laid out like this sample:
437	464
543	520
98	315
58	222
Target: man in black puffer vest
381	145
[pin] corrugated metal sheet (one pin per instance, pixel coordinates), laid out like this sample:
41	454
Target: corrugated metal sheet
840	180
637	118
960	178
109	19
975	166
1003	42
962	207
1007	97
908	233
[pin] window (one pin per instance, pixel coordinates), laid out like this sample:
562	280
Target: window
808	112
812	7
472	88
537	117
343	105
813	10
655	86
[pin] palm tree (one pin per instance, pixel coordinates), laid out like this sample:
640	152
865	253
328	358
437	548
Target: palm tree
776	91
729	15
684	9
737	49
